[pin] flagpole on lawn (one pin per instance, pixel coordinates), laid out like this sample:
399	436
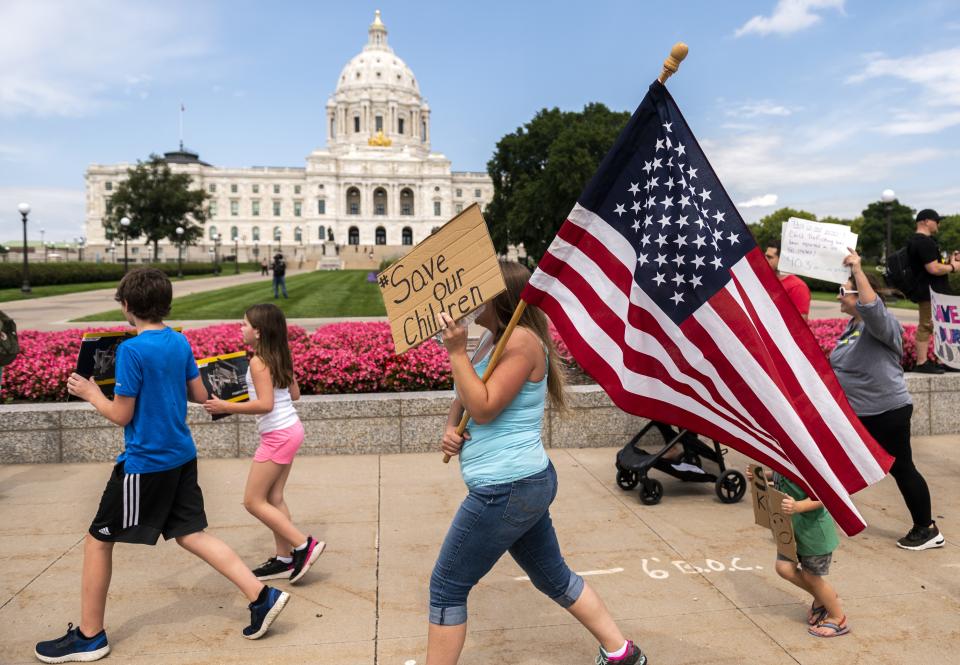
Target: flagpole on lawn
670	67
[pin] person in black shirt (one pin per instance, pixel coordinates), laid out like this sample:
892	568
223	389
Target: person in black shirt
923	251
279	276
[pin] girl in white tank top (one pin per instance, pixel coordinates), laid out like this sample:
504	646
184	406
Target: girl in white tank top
273	389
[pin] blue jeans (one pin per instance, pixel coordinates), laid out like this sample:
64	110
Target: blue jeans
493	519
279	283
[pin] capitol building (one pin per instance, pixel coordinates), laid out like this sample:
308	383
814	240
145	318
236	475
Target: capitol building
373	192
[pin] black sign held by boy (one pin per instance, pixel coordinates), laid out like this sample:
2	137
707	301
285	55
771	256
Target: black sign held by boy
224	377
98	357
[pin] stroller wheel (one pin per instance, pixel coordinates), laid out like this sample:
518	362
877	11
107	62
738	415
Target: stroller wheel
731	486
627	480
651	492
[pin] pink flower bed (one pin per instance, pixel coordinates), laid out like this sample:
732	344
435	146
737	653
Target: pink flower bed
338	358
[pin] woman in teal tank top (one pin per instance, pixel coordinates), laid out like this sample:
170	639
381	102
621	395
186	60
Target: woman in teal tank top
510	479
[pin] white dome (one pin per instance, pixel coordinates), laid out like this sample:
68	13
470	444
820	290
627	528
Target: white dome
377	66
377	102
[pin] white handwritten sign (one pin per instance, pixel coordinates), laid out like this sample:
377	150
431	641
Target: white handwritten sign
946	327
815	249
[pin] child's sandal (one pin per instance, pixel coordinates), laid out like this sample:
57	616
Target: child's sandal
816	614
835	629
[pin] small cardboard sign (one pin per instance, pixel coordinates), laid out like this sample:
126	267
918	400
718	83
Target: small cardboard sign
946	328
815	249
767	512
455	270
224	377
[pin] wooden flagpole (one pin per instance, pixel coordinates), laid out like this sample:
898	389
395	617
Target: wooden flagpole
670	67
494	359
672	63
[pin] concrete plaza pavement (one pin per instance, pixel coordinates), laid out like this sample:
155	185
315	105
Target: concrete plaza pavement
690	579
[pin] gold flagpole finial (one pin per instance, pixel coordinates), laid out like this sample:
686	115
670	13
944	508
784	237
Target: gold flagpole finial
672	63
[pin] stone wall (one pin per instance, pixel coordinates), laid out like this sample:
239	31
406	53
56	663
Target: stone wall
374	423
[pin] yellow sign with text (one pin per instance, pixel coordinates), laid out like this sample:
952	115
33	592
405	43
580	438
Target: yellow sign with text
455	270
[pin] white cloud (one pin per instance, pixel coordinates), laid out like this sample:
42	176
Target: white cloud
938	72
65	58
761	108
760	162
788	16
765	201
59	211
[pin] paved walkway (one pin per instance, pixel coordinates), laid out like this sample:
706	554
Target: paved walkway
56	312
691	579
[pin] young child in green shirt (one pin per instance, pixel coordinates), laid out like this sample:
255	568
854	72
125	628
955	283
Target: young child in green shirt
816	539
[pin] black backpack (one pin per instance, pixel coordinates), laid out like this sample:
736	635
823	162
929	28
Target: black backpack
9	345
899	274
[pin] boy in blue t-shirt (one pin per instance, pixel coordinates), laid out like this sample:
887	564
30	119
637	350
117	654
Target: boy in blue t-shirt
153	489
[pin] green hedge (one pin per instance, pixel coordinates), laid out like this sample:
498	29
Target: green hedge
76	272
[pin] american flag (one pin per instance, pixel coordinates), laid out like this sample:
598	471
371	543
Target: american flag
661	293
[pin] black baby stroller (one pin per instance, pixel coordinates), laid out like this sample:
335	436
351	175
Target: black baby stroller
633	463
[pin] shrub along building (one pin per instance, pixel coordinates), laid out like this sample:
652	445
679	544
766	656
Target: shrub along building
372	193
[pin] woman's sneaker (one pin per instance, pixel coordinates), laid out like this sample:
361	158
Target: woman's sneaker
304	558
264	611
633	656
73	647
273	569
922	538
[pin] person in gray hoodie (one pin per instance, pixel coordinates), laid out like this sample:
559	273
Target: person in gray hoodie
866	361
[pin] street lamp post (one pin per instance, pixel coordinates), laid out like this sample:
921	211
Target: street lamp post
888	197
125	223
216	254
180	252
236	255
24	209
80	243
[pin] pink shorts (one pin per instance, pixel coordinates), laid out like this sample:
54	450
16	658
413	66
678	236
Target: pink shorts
280	445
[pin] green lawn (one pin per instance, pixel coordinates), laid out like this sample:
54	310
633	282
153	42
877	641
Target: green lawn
312	295
832	297
6	295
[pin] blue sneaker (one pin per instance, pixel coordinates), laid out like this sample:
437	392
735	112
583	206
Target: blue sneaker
73	647
264	613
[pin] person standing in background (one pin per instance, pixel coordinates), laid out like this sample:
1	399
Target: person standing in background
931	270
796	288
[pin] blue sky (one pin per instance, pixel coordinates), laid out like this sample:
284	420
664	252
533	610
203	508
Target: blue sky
815	104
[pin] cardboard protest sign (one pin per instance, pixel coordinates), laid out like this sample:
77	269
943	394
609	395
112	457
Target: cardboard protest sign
455	270
97	357
946	328
224	377
815	249
767	512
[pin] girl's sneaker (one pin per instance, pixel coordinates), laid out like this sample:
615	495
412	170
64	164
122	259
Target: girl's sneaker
303	559
73	647
633	656
273	569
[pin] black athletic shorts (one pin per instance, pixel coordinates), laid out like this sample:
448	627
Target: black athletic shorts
138	507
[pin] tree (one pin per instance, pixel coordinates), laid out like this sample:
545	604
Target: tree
873	232
949	233
768	229
156	201
539	171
